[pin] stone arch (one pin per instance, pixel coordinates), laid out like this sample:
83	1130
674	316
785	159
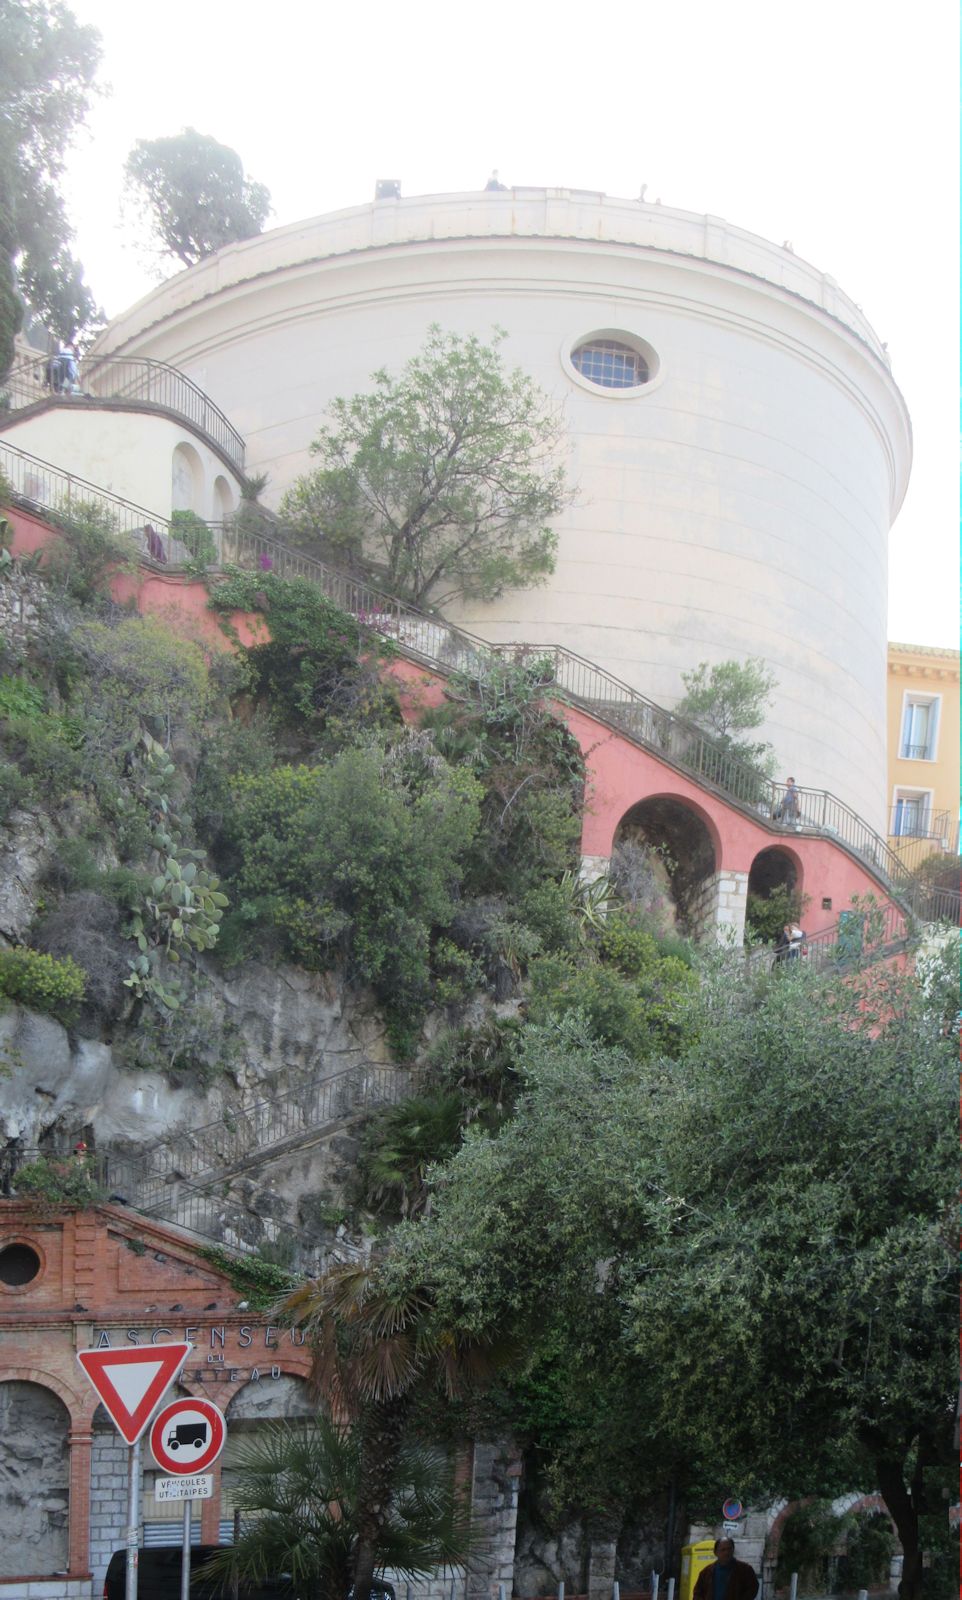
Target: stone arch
78	1403
35	1482
685	839
266	1400
224	501
775	867
186	479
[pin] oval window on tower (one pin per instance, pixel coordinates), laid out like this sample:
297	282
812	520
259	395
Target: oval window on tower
614	361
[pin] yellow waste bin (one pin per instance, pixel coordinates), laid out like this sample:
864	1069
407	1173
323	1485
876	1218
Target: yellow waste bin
693	1558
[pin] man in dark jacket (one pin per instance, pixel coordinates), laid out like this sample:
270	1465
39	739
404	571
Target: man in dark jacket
725	1578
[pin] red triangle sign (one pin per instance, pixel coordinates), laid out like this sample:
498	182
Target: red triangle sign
131	1383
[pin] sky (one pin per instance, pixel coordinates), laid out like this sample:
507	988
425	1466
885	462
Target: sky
833	125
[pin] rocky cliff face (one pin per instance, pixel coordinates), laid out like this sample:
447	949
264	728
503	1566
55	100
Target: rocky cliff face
281	1167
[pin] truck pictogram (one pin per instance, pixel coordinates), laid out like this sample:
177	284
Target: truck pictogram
186	1433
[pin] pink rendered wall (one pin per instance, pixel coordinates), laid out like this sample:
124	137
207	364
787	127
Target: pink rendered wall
161	594
418	690
619	774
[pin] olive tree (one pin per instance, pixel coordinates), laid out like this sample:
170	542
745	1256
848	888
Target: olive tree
734	1266
443	479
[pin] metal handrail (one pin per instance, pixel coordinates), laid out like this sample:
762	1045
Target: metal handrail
446	648
202	1157
131	380
39	487
213	1218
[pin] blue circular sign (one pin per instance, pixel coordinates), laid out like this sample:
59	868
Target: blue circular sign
732	1510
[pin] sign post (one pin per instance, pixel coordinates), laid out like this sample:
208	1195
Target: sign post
130	1385
185	1438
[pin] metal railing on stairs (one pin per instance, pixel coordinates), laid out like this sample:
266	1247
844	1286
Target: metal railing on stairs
443	647
130	381
182	1179
38	487
672	738
204	1157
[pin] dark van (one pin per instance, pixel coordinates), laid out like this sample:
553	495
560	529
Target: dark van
158	1577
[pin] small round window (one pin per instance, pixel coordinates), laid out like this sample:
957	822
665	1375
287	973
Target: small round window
18	1265
610	364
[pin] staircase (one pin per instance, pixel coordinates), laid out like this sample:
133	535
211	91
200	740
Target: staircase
434	643
174	1180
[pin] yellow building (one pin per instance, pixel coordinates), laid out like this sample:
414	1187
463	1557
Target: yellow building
923	750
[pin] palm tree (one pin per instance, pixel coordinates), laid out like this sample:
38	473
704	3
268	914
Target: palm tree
377	1346
299	1486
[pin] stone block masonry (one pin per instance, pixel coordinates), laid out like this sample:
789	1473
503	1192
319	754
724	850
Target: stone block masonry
108	1500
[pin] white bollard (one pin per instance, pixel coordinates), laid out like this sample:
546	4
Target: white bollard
671	1589
655	1581
616	1590
793	1586
561	1591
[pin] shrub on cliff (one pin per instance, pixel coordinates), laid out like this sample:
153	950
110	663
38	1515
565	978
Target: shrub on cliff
357	860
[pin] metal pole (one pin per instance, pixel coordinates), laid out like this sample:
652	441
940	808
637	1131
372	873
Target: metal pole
561	1591
616	1590
793	1586
655	1581
185	1555
133	1519
671	1589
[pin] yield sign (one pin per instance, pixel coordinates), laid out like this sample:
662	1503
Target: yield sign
132	1383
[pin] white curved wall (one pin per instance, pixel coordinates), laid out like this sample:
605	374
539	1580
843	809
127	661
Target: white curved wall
127	453
739	505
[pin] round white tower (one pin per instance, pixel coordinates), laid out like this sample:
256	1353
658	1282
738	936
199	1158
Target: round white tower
738	443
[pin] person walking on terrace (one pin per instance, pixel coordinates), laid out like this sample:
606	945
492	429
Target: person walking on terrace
788	808
725	1578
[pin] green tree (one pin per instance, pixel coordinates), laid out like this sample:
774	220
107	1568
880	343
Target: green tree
734	1266
443	478
298	1487
47	65
357	859
194	195
801	1300
729	700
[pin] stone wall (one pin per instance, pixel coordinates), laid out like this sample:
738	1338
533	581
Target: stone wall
496	1471
21	599
719	903
34	1481
108	1497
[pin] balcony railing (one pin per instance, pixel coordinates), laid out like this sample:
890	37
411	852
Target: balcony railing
132	381
916	752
